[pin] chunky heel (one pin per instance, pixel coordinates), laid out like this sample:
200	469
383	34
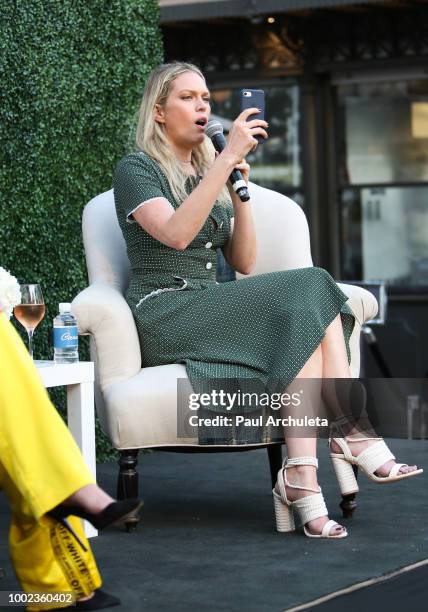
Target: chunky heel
283	514
369	461
309	507
345	475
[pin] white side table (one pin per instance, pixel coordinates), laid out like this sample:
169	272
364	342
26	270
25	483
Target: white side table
79	380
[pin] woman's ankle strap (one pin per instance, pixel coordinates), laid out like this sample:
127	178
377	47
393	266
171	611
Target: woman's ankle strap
341	427
340	424
359	439
289	462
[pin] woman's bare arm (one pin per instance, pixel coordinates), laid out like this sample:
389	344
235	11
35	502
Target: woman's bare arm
177	228
240	250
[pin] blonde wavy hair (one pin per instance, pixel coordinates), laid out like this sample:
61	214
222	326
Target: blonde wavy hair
152	140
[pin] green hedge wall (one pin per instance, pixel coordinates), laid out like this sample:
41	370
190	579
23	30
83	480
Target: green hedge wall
71	79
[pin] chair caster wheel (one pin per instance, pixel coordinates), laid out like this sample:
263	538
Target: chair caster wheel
348	505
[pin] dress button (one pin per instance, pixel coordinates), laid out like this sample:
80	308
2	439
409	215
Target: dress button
209	265
208	245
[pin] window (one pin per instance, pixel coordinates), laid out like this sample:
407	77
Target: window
383	169
276	163
386	132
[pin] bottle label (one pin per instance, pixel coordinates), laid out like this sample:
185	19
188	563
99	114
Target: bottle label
65	337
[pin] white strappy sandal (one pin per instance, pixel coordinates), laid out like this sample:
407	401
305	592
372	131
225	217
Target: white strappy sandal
308	508
369	460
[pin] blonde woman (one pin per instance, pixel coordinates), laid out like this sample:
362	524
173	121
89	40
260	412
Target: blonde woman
175	208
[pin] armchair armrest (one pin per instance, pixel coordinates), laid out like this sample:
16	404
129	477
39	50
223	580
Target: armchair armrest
364	306
363	303
103	312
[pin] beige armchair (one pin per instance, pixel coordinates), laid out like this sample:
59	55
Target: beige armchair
137	406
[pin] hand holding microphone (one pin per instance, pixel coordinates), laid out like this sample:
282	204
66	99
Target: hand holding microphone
241	141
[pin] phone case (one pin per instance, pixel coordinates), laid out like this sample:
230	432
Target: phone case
254	98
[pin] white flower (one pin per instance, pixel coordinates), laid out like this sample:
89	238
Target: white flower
10	294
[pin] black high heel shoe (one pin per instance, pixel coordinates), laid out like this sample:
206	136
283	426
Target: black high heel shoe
114	512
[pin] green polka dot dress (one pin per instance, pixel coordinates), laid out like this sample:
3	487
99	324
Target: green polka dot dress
261	328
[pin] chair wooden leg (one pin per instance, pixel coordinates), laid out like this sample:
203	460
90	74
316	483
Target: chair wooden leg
275	461
348	503
127	482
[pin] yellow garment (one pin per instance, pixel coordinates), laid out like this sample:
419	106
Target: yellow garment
40	465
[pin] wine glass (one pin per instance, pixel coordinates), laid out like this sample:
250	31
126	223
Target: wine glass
30	311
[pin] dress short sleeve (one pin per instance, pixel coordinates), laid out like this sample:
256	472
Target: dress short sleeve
135	181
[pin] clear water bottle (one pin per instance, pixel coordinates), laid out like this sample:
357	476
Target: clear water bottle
65	337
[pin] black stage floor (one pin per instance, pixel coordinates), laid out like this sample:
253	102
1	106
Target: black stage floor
207	540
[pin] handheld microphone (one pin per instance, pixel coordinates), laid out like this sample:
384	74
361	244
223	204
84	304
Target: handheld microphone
214	130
